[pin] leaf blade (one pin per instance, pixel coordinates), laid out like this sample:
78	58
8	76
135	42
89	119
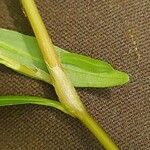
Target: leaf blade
21	100
82	70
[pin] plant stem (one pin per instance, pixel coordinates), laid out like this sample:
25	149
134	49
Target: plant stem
64	88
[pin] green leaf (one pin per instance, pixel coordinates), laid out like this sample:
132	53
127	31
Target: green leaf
22	54
20	100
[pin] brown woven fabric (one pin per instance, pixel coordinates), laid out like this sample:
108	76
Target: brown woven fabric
113	30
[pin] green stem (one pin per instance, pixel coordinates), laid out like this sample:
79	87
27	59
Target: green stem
64	88
99	133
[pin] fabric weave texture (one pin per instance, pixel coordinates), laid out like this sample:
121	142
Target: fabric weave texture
112	30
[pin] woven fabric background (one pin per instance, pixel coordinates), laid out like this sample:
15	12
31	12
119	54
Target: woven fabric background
117	31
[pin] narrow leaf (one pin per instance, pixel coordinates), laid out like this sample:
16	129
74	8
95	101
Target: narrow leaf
21	53
20	100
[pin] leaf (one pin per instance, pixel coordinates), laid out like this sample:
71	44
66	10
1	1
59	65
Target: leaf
22	54
20	100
